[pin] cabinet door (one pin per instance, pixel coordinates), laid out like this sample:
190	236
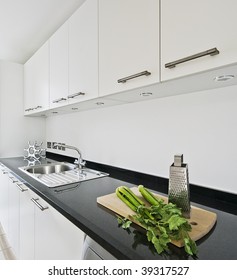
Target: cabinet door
59	67
83	53
27	239
128	44
36	81
4	199
192	27
55	236
14	217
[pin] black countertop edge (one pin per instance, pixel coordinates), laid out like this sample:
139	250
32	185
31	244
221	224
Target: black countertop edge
210	197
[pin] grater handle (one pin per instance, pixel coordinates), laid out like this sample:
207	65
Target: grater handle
178	160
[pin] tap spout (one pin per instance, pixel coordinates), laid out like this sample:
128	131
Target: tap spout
79	162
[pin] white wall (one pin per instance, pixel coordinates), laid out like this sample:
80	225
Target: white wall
144	136
15	129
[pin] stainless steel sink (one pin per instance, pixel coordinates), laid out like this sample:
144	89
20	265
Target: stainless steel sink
50	168
60	173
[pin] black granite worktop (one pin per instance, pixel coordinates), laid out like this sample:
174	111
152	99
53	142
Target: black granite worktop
78	203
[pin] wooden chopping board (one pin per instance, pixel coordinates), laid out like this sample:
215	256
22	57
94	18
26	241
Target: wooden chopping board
202	221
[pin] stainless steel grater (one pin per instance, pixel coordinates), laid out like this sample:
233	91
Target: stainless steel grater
179	193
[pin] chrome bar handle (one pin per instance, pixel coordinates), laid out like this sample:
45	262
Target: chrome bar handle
143	73
37	107
213	51
35	201
13	179
20	187
29	109
59	100
76	94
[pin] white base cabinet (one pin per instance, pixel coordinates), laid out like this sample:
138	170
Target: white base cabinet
55	236
27	229
4	198
13	234
35	229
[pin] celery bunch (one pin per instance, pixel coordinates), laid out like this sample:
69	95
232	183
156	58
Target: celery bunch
163	222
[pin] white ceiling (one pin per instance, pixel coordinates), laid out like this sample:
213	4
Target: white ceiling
26	24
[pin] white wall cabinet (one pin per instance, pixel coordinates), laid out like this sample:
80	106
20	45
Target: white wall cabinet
58	63
128	44
74	58
36	81
192	27
83	53
15	129
113	49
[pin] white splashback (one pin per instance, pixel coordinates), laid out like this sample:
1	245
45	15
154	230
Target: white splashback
144	136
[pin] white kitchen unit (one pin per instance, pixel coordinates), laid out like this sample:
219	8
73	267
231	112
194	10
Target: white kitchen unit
13	234
45	233
55	236
128	51
128	44
4	198
58	64
197	36
15	129
83	53
35	229
27	225
36	81
11	203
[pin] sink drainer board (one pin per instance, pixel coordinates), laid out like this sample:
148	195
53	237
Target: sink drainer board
202	221
68	177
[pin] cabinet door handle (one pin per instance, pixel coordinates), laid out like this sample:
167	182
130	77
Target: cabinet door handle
37	107
211	52
29	109
59	100
143	73
14	180
20	187
35	201
75	94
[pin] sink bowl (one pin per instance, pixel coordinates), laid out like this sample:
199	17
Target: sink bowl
57	174
50	168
